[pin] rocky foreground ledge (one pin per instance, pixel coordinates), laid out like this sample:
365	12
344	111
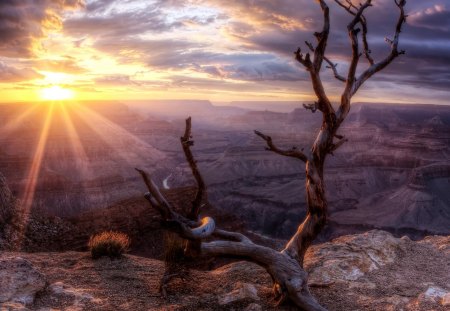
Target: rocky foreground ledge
371	271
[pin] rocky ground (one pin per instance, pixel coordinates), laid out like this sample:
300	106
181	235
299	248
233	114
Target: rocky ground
371	271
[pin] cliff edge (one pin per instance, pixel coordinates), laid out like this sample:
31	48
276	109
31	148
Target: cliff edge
370	271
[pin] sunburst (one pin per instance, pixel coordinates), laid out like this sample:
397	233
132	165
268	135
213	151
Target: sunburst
56	93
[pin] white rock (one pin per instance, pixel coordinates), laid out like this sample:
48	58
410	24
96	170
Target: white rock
242	291
79	296
348	258
435	292
19	280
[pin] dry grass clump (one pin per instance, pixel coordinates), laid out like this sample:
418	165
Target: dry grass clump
108	243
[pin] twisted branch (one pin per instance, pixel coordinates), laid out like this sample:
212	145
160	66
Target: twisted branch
393	54
288	153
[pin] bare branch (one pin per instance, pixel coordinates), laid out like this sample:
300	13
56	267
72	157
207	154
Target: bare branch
313	107
154	196
344	107
323	103
288	153
353	34
305	60
394	53
347	7
186	143
322	37
314	67
352	9
331	65
334	69
366	48
186	228
335	146
236	236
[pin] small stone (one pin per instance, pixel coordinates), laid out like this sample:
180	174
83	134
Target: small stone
435	292
446	300
242	291
432	294
13	306
253	307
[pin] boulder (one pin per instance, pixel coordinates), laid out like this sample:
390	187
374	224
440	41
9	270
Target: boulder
347	258
19	281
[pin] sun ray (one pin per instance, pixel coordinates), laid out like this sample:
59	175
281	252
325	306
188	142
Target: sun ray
33	173
112	134
81	158
15	123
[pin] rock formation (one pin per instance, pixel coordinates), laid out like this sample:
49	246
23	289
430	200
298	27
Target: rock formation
371	271
391	146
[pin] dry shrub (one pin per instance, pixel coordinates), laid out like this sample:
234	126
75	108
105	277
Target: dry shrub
108	243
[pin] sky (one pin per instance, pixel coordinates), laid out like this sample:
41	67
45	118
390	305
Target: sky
218	50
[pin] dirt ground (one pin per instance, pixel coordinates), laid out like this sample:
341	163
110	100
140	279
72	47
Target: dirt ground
131	283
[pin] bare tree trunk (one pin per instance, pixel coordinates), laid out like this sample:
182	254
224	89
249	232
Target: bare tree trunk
316	201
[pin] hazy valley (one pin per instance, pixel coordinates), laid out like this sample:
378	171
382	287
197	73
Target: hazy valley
393	173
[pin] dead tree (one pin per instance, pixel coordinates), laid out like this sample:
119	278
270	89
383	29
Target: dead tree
175	259
286	266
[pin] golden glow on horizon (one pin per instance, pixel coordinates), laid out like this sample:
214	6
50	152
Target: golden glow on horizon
56	93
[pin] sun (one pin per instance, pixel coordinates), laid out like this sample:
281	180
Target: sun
56	92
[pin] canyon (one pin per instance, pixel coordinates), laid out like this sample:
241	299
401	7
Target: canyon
392	174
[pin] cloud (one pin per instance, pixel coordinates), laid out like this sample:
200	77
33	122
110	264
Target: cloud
270	69
67	65
11	74
119	24
23	23
115	80
436	17
250	41
286	14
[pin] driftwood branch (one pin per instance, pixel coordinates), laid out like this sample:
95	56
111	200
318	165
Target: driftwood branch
288	153
186	143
